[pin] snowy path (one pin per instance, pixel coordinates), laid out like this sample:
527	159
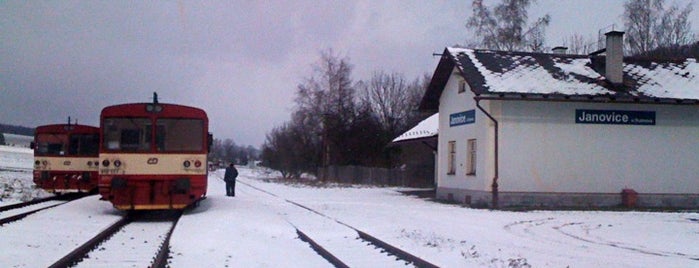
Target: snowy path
244	231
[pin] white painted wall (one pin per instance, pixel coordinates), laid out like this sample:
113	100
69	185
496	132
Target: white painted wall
542	149
452	102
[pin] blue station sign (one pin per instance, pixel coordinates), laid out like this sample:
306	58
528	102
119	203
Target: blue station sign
614	117
462	118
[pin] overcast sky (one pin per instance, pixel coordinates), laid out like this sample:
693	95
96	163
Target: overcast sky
239	60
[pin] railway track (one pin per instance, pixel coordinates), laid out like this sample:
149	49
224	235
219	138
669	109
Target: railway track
14	212
340	243
139	239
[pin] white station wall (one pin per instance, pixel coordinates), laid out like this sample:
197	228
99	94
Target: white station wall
543	149
453	102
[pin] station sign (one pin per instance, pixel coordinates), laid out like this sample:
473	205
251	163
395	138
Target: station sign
462	118
614	117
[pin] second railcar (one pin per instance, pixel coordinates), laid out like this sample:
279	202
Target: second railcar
153	155
66	158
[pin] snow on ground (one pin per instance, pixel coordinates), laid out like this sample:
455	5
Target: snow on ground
15	140
42	238
16	183
454	236
257	229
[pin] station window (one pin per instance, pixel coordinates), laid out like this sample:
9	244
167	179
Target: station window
451	169
462	86
471	157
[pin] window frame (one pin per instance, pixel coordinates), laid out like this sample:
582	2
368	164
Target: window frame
461	86
471	156
451	161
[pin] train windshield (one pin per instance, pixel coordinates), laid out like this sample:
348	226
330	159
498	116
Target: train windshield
51	144
179	134
169	134
84	144
127	134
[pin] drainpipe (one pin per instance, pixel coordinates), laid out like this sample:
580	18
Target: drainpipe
495	177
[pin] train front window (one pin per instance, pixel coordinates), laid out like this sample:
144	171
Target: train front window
179	134
84	144
127	134
51	144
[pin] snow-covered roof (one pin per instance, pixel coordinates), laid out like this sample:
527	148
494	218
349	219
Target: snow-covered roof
425	129
503	74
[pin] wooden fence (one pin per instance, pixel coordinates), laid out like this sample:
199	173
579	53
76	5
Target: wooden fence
406	176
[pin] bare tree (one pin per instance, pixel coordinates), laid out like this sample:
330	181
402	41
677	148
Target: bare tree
577	44
283	150
391	98
650	25
325	103
227	151
506	27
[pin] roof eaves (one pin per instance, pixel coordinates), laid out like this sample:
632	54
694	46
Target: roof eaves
606	98
430	101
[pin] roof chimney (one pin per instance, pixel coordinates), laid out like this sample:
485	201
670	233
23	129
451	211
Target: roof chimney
559	50
615	57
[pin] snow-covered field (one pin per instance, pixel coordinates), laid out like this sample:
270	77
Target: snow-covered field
18	140
16	183
257	229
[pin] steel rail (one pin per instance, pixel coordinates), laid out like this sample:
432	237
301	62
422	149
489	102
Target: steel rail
163	254
22	215
28	203
390	249
321	251
79	253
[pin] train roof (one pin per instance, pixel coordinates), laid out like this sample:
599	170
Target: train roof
66	128
142	110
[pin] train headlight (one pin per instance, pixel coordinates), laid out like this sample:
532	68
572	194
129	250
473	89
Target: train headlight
197	163
105	163
37	162
187	163
45	163
153	108
117	163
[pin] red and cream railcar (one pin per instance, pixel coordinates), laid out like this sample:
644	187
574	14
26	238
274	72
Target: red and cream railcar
66	158
153	155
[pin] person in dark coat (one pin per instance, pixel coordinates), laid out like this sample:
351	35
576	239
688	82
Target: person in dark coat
229	178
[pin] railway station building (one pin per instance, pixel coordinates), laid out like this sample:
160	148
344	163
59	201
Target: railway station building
521	129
